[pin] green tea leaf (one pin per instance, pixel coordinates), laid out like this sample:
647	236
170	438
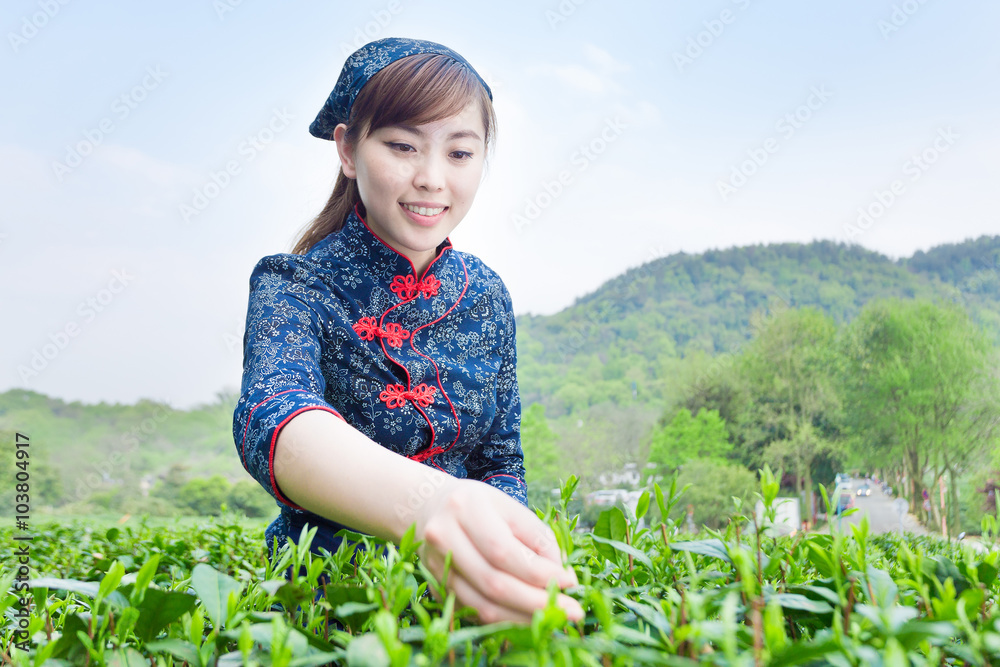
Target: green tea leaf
111	579
625	548
213	588
714	548
160	609
642	506
178	648
367	651
800	602
127	657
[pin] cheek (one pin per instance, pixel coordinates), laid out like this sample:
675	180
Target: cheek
381	179
467	184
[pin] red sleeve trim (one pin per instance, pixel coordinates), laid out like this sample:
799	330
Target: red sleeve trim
246	429
513	477
274	440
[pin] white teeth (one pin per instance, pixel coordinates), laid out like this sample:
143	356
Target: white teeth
420	210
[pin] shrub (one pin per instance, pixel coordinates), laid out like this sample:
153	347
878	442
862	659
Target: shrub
714	484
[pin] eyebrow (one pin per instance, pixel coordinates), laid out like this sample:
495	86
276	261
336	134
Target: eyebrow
462	134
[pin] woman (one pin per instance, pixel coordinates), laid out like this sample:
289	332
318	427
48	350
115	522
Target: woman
379	385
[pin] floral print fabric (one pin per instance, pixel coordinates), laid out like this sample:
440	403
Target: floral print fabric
424	366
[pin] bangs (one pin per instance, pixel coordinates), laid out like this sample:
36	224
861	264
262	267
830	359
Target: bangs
419	89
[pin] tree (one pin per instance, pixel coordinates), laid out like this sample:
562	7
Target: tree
605	439
171	485
205	496
920	389
44	484
249	497
541	457
788	371
714	484
687	437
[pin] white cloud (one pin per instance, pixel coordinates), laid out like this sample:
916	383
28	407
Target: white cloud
597	76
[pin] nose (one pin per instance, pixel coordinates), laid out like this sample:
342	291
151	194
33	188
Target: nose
429	174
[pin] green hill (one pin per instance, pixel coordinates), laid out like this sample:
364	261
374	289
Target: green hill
100	448
612	361
624	342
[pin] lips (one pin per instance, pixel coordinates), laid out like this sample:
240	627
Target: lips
428	211
424	216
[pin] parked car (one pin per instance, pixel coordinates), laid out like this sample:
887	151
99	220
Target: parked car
844	503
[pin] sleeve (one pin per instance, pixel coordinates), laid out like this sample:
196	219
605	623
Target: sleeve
281	353
499	461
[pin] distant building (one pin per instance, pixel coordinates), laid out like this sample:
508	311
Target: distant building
145	484
629	475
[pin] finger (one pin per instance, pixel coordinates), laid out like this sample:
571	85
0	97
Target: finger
529	529
493	584
494	536
486	610
493	612
542	541
538	536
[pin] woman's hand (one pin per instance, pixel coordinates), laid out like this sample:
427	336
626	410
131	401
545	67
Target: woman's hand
503	556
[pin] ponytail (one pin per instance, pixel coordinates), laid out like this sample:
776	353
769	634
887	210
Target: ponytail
342	201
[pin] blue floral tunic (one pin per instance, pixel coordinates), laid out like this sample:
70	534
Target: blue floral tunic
424	366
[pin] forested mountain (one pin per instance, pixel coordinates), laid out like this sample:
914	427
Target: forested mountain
622	342
615	361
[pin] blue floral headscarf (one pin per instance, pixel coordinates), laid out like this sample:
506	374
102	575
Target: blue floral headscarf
365	63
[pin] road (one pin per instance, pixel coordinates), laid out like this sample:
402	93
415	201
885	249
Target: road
883	516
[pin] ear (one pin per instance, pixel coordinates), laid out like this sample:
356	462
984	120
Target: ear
346	151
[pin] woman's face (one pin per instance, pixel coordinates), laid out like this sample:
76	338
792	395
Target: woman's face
418	182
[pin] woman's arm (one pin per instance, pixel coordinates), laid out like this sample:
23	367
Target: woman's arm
503	556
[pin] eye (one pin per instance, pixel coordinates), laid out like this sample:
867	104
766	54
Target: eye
461	155
402	148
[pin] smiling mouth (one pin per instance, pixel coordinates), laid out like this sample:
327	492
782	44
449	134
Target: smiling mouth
421	210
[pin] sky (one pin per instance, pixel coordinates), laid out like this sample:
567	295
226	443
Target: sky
151	153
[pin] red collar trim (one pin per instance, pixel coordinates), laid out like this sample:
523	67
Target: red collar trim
445	245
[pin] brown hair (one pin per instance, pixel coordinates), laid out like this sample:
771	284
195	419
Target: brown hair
414	90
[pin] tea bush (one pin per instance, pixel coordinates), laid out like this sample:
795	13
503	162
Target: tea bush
206	596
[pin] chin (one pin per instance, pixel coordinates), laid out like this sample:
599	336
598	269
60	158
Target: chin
425	238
